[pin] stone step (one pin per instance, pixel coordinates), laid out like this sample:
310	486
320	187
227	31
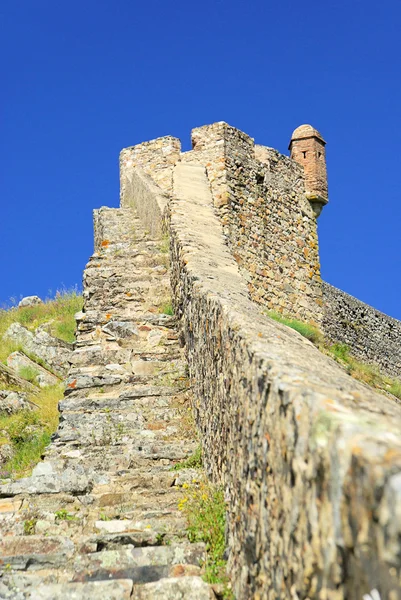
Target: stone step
33	552
175	588
104	401
113	353
116	427
110	353
74	479
117	589
141	565
98	380
119	458
134	395
149	532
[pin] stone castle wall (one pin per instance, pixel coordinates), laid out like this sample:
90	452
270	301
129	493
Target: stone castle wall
371	336
310	458
259	196
156	158
269	225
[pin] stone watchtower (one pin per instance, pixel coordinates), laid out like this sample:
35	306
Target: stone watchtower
307	149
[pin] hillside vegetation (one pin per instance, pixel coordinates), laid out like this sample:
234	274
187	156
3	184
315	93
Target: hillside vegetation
25	433
58	313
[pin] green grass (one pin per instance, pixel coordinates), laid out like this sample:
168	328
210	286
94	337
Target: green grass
164	245
395	388
60	311
29	526
27	454
29	373
29	431
64	515
205	510
306	329
340	351
192	462
167	309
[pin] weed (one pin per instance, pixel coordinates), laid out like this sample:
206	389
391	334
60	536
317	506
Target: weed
305	329
339	351
104	517
60	311
395	388
205	510
29	373
28	454
164	245
29	526
64	515
192	462
167	308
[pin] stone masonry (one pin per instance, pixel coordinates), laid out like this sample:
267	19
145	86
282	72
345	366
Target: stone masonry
371	336
268	222
98	518
308	149
268	205
310	458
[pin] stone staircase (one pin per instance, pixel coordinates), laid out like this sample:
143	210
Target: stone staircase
99	516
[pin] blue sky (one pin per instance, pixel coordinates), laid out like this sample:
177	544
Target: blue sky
81	80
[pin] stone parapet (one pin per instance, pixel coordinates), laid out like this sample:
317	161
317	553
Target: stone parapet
268	222
149	200
372	336
259	196
310	458
156	158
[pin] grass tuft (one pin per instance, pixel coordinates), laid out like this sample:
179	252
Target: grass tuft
192	462
29	373
167	309
395	388
29	526
340	351
164	245
205	510
306	329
